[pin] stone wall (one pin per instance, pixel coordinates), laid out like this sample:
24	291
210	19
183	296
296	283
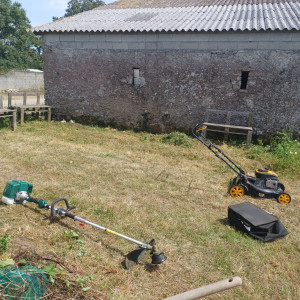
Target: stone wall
90	77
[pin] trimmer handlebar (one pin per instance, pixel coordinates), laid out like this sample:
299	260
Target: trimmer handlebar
55	212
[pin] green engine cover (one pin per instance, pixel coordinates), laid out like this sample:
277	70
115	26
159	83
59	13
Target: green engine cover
16	186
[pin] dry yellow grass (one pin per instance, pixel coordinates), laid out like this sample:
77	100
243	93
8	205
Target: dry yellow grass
136	185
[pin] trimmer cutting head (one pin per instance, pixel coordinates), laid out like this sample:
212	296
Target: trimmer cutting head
158	258
141	254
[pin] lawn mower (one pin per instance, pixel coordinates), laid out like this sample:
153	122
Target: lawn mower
18	192
265	184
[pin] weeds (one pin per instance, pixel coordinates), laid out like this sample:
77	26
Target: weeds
51	271
4	122
283	153
75	242
255	151
286	152
178	139
4	242
82	282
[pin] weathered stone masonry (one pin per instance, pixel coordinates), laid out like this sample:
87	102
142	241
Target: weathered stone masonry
89	77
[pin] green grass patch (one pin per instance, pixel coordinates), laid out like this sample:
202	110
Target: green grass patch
177	139
282	154
4	122
4	242
104	213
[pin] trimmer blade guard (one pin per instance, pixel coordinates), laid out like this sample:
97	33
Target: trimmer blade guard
135	256
139	254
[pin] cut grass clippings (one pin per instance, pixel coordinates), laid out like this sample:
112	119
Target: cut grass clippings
137	185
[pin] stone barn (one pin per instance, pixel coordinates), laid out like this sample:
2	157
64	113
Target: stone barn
159	65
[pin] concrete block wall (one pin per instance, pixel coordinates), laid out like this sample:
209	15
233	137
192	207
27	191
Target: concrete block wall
22	81
89	77
222	41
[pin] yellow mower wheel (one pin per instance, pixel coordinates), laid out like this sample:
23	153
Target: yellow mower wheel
284	198
237	191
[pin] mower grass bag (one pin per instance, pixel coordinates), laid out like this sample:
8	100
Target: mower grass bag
255	221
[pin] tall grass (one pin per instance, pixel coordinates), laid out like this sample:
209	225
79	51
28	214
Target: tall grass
282	154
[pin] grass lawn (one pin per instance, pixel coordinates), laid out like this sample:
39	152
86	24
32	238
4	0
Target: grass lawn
136	185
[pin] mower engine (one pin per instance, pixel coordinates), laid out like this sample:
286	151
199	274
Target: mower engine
271	184
269	178
17	192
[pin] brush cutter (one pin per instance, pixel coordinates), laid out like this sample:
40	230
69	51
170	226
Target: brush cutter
265	184
18	192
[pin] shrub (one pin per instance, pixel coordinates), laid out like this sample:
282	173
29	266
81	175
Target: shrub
285	150
282	153
178	139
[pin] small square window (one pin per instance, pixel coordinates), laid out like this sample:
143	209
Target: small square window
244	79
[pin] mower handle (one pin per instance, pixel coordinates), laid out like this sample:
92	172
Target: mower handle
199	128
56	212
217	151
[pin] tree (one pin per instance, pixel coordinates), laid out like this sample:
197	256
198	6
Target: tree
19	48
78	6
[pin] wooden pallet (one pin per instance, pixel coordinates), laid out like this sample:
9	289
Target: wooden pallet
227	128
33	109
8	113
38	109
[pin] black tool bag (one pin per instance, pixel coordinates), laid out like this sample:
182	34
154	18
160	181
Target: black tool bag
255	221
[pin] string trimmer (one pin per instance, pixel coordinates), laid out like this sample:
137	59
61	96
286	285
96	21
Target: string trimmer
18	192
265	184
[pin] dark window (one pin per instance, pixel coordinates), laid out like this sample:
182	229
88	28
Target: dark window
244	80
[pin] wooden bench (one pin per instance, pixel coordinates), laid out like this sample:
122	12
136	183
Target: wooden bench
8	113
36	109
227	127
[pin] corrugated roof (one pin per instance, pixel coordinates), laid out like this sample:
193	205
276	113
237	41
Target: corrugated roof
183	3
246	15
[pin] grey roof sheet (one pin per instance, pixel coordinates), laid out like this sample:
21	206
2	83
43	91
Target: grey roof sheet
272	15
183	3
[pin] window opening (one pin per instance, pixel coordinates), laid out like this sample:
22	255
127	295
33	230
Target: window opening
136	77
244	80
